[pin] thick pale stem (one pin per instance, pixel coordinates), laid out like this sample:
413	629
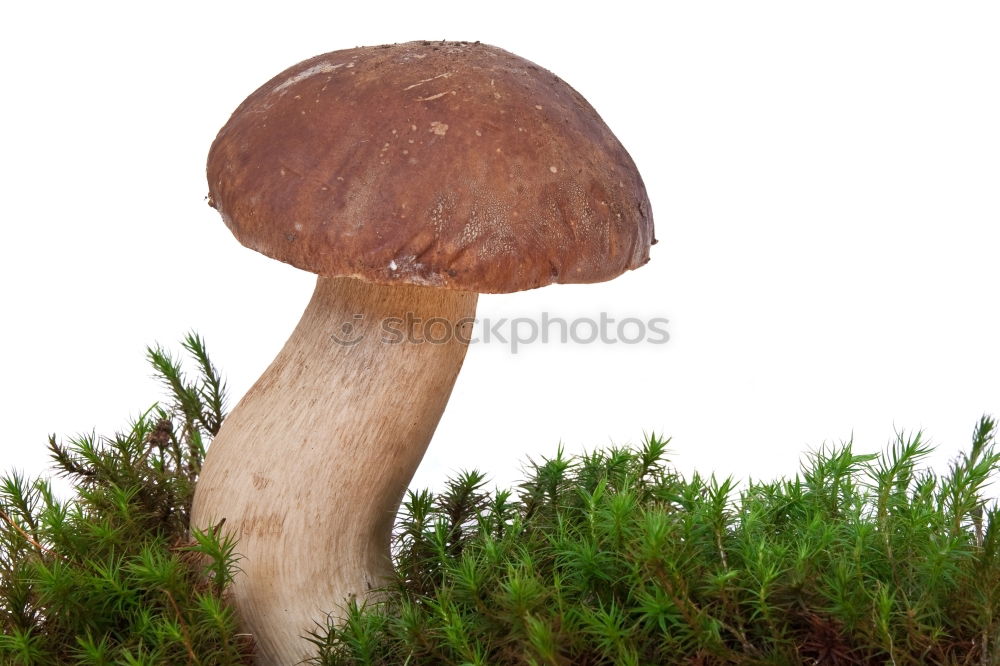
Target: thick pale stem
309	468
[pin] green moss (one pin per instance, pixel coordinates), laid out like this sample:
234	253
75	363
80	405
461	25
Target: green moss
111	575
612	558
609	557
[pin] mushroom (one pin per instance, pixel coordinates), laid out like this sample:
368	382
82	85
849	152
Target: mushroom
410	178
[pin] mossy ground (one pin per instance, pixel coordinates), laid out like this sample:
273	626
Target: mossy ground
609	557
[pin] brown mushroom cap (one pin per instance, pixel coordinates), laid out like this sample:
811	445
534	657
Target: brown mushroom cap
451	164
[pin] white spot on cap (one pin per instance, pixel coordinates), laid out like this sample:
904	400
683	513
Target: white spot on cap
445	75
553	169
433	97
392	265
321	68
439	128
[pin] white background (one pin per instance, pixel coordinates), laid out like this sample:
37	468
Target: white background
825	179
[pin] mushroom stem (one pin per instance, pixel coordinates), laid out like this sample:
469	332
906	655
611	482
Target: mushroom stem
310	467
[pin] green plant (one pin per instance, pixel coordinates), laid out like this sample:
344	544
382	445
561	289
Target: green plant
111	575
609	557
612	558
